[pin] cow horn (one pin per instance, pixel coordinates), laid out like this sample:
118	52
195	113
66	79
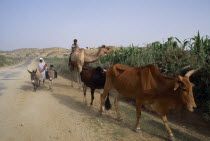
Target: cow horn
104	70
188	74
182	69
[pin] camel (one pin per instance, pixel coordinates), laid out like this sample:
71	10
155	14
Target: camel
80	58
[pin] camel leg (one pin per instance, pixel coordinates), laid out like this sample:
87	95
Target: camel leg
138	115
79	77
71	77
92	96
170	134
77	74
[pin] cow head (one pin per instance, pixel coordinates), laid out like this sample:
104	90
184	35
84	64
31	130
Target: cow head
185	88
33	75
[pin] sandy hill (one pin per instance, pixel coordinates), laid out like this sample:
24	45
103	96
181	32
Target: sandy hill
46	52
35	52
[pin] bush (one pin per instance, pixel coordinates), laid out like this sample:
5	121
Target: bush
4	60
60	64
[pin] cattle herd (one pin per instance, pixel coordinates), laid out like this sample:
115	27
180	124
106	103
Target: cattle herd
147	85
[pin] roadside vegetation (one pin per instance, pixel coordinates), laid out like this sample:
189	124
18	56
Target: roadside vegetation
6	61
60	64
168	56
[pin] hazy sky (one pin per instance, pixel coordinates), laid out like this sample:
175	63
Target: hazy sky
50	23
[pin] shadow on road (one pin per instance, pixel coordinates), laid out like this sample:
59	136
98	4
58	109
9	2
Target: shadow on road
152	127
155	126
29	87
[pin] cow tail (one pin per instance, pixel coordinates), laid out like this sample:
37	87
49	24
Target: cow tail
108	105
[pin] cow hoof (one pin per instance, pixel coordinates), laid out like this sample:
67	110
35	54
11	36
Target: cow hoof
138	130
171	138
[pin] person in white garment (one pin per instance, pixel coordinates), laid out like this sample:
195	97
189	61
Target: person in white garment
42	67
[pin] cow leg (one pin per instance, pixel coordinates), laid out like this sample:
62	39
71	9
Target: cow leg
84	91
103	96
107	88
165	121
92	96
116	104
138	115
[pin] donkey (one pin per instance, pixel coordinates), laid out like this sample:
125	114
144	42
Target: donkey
35	78
51	74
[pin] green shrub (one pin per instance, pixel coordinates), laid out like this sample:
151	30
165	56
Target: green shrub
4	60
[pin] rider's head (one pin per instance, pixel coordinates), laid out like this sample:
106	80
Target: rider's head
40	60
75	41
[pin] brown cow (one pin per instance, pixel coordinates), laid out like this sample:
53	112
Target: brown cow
148	86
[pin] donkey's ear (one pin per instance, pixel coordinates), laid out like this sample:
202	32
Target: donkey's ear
28	71
35	70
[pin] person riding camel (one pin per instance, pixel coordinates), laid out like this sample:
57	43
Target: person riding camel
74	47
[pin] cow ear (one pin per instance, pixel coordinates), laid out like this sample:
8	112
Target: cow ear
28	71
192	84
99	69
177	84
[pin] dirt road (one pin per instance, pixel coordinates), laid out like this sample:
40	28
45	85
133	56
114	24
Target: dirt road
60	114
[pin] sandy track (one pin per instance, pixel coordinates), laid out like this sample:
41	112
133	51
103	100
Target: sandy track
28	115
60	114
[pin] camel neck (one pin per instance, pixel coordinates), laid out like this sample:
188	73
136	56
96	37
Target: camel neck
92	58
